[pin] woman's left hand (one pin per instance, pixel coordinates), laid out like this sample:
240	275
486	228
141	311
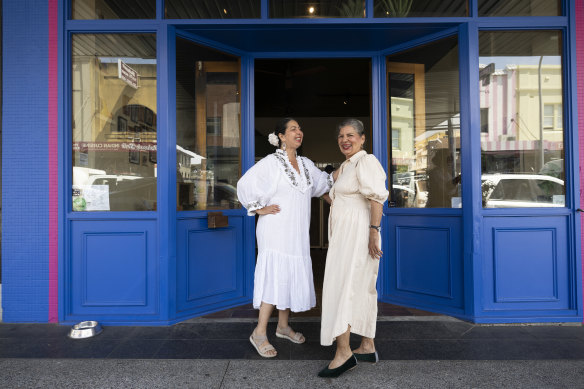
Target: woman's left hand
374	246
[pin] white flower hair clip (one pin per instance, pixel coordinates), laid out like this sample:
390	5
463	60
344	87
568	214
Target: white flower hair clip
273	139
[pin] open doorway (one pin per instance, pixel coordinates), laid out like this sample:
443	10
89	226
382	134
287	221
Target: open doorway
318	93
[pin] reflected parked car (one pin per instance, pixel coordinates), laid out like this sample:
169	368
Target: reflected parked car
224	195
522	190
108	179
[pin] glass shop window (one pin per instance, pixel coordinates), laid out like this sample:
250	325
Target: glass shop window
212	9
317	9
113	9
208	128
520	7
114	122
420	8
424	107
523	147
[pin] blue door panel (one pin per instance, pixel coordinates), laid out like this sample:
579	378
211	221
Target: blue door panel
210	271
113	268
422	268
526	263
423	262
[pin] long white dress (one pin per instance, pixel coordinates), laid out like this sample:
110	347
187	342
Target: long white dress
283	273
349	296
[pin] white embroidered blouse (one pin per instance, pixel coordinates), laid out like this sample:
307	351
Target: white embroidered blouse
259	184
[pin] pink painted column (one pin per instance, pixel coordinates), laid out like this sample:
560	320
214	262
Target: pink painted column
580	83
53	154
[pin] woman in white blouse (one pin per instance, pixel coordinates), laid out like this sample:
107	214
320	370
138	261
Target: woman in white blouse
279	189
349	295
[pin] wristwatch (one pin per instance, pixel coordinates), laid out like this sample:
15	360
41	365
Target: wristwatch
378	228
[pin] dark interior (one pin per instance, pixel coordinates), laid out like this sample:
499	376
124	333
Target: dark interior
312	87
319	93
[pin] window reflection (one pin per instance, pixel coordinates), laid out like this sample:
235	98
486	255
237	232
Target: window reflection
520	7
207	128
212	9
521	92
317	9
424	126
420	8
113	9
114	122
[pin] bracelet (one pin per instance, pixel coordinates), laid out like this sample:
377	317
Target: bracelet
378	228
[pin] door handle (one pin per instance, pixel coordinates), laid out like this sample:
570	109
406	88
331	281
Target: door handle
217	220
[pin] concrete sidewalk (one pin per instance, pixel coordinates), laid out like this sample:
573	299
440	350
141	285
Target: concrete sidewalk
130	373
416	352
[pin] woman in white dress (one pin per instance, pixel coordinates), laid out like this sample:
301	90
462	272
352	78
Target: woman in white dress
279	189
349	296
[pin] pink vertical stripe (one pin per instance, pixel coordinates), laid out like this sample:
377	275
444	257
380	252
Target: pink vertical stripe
580	87
53	119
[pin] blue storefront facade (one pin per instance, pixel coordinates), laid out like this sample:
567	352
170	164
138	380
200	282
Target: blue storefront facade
126	124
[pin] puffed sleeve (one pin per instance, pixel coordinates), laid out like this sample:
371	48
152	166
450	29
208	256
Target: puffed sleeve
321	181
371	177
258	185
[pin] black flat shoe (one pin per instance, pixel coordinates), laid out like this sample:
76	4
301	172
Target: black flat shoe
371	357
334	373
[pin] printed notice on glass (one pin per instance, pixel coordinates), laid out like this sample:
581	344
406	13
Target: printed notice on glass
127	74
559	199
91	198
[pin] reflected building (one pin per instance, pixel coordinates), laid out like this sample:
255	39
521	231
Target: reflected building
521	117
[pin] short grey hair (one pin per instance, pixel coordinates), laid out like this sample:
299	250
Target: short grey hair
352	122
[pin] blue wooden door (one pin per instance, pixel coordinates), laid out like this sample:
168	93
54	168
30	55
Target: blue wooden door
422	227
512	255
213	264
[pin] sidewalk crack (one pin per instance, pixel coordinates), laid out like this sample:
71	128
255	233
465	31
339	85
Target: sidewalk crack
467	331
224	374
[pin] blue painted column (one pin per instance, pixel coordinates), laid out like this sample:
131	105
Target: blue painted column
471	171
25	172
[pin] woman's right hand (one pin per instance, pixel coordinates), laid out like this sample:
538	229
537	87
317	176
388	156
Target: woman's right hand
268	210
374	246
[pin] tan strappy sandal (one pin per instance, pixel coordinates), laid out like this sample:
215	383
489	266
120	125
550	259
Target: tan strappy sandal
262	349
284	333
